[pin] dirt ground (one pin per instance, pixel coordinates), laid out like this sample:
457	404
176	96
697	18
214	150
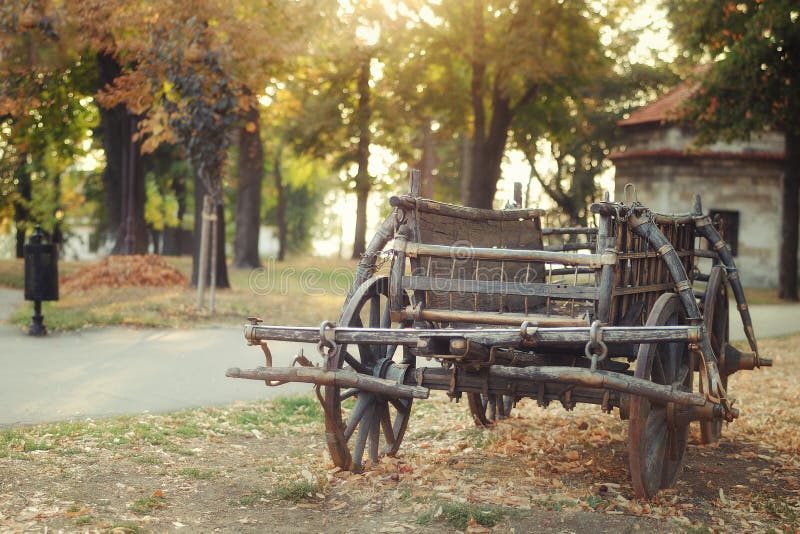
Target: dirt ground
262	467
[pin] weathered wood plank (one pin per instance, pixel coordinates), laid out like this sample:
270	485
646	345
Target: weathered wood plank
565	247
415	250
494	287
666	286
463	212
440	229
558	271
534	336
649	254
569	231
493	318
712	254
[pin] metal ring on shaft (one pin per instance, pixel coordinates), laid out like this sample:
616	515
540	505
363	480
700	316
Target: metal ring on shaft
324	342
595	341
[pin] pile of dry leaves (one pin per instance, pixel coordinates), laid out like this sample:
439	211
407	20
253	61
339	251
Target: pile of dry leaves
117	271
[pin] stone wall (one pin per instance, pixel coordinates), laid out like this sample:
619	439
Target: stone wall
654	137
726	180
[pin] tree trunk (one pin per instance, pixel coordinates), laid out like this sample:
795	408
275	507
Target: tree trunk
21	212
222	268
248	202
132	235
123	175
787	281
487	155
363	182
280	212
487	146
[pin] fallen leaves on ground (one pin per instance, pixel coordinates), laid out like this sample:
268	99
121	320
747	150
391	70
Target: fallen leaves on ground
117	271
542	464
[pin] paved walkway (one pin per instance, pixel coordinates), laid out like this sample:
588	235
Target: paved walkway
107	371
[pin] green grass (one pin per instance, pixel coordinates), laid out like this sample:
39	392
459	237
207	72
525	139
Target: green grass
594	501
778	507
169	432
556	504
147	505
301	291
83	520
458	515
12	272
292	410
198	474
296	490
252	497
147	460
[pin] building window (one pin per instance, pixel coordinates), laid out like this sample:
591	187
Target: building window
727	222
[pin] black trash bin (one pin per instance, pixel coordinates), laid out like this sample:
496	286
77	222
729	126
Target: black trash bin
41	276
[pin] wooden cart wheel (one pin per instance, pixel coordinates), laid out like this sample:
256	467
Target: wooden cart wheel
486	409
375	424
716	321
658	433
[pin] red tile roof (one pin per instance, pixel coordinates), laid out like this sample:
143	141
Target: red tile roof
664	108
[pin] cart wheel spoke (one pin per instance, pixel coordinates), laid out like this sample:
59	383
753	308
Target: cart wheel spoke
357	366
375	433
386	425
352	392
362	406
402	406
682	374
361	438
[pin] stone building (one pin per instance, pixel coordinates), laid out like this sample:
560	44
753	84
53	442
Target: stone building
741	180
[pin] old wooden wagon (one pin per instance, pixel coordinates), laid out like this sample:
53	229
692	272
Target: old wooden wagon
617	315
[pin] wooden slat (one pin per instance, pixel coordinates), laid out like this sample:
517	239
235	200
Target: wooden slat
493	287
569	246
484	317
706	254
463	212
569	231
666	286
649	254
570	271
592	260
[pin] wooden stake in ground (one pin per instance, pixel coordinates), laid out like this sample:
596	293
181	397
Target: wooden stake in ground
212	290
203	259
